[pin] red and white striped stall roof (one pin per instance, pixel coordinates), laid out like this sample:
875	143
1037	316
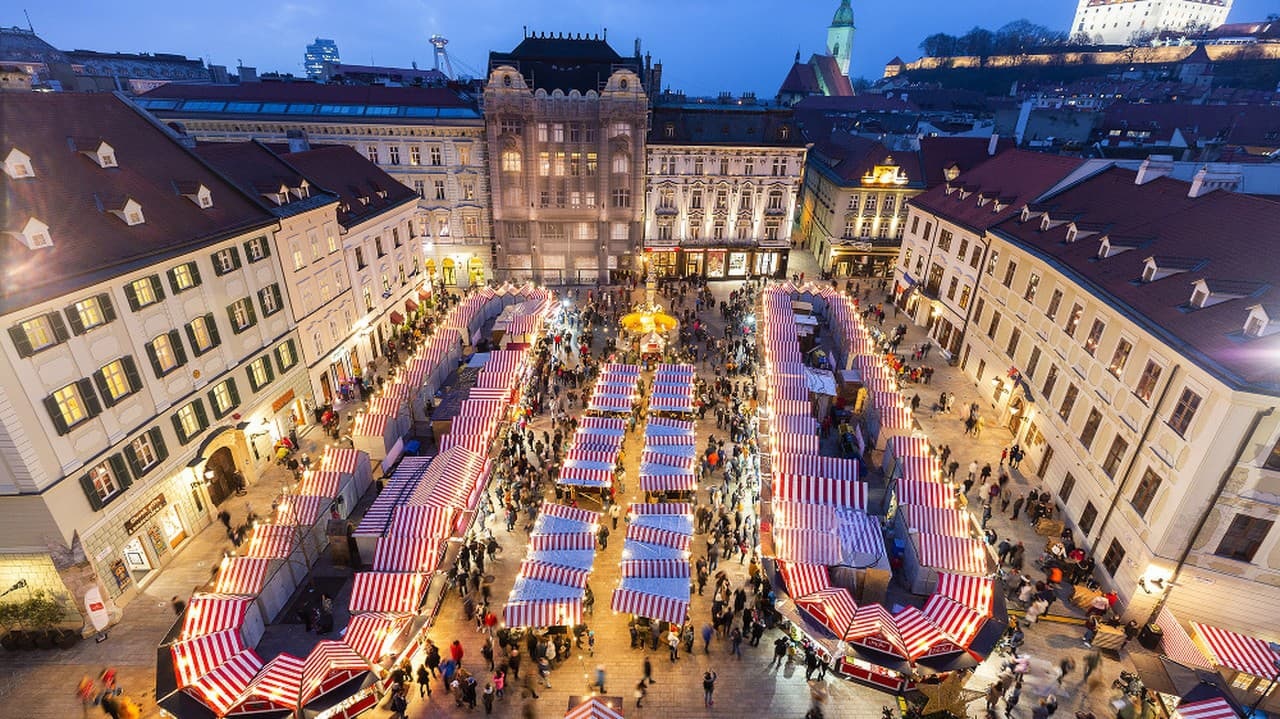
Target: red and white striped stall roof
820	517
806	546
664	403
211	613
908	447
652	482
573	514
799	408
372	635
791	424
608	423
874	627
919	635
319	484
584	440
958	622
884	400
610	403
371	425
642	508
663	537
272	541
880	384
936	520
585	477
811	466
225	684
820	490
925	494
925	469
488	408
678	424
977	593
804	579
406	554
501	394
656	568
399	391
197	657
544	572
653	606
595	708
1237	651
1215	708
329	665
394	592
470	442
832	607
384	405
562	542
302	511
524	324
669	460
421	521
276	687
787	387
895	417
242	575
473	426
1177	644
953	554
343	459
542	613
503	361
504	381
795	444
615	368
670	440
684	370
609	459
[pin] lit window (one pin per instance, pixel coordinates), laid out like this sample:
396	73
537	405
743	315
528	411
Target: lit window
184	277
188	420
259	373
223	397
39	332
203	334
116	380
1184	411
242	315
226	260
144	292
510	161
142	452
166	354
286	356
104	481
71	406
90	313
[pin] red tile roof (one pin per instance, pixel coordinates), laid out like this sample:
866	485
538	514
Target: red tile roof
1015	177
964	153
257	170
89	244
342	171
1255	125
850	157
1219	230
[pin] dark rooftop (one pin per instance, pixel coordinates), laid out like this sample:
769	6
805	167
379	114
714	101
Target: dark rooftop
564	61
342	171
256	169
1017	177
723	124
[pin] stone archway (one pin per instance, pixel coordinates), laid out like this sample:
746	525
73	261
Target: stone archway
219	472
224	454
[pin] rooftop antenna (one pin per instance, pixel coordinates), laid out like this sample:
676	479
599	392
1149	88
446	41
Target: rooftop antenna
438	42
30	27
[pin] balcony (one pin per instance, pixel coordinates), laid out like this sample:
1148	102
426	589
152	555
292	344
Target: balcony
663	211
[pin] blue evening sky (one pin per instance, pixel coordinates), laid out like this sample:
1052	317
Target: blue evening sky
705	46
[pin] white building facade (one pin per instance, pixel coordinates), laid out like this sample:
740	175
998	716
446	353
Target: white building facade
1114	22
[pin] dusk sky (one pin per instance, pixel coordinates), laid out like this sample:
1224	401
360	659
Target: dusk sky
705	47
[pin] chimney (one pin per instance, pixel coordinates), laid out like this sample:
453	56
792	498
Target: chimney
1153	167
297	141
992	144
1207	181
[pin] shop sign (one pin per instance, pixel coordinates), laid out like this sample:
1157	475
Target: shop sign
281	401
140	517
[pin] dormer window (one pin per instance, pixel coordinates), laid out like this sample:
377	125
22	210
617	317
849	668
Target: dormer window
197	193
1149	270
951	173
1260	322
1045	223
1209	292
302	190
17	165
1199	296
279	194
1026	214
34	234
952	188
100	152
1072	233
129	211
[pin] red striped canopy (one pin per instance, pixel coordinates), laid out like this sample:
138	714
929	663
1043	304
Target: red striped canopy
503	360
197	657
421	521
275	687
811	466
222	687
591	457
1177	644
562	542
792	407
806	546
384	405
641	508
242	575
524	324
954	554
471	442
650	482
616	368
677	424
684	370
903	446
793	424
610	403
585	477
663	403
795	443
926	494
609	423
584	439
656	568
921	468
543	613
804	579
895	417
501	394
319	484
1237	651
343	459
489	408
329	665
211	613
958	622
977	593
595	708
394	592
373	635
668	460
936	520
832	607
406	554
920	637
302	511
544	572
272	541
398	391
497	380
670	440
653	606
1215	708
879	384
873	627
370	425
804	516
573	514
654	535
473	426
820	490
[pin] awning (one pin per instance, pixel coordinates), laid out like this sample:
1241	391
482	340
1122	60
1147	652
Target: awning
958	622
272	541
804	579
562	542
302	511
920	636
329	665
222	687
420	521
1238	651
650	482
344	460
275	687
873	627
656	568
543	613
406	554
925	494
806	546
596	708
210	613
197	657
574	514
653	535
1215	708
832	607
936	520
373	635
242	575
956	554
398	593
820	490
424	295
977	593
812	466
396	318
1176	644
319	484
653	606
544	572
410	305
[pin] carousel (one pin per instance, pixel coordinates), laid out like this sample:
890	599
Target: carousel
648	324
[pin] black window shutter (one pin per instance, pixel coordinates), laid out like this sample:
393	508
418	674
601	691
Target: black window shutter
235	257
253	317
248	250
191	337
204	417
100	380
21	342
195	274
155	361
173	281
92	405
177	427
217	266
271	372
179	352
73	317
235	393
157	444
213	330
231	315
265	245
213	405
108	309
131	457
157	287
59	329
253	384
121	471
131	295
275	292
55	414
91	494
131	373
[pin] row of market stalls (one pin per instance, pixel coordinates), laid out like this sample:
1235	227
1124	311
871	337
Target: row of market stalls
673	390
551	584
668	461
655	563
826	546
616	390
207	665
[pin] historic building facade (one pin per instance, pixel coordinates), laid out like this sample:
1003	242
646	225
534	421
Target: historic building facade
1116	22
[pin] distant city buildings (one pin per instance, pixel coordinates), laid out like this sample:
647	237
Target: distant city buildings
318	53
1117	22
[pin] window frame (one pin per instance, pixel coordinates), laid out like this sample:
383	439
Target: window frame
1238	532
226	388
1145	493
126	372
201	419
1116	453
177	277
210	327
1112	560
1184	411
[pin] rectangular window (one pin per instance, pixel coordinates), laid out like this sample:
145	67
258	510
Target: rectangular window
144	292
1032	362
89	313
38	333
1055	300
72	404
104	482
1033	286
964	297
145	452
1145	493
415	155
1068	486
166	353
468	189
393	153
1120	357
202	332
184	277
1113	557
225	260
1068	402
1088	517
257	249
1090	429
1009	272
223	398
964	248
286	356
439	189
1147	382
1184	411
1050	380
1244	537
242	315
190	420
299	259
978	309
944	239
371	151
1012	348
117	380
951	288
1115	455
976	258
994	326
992	261
1095	336
260	373
557	132
622	198
1073	320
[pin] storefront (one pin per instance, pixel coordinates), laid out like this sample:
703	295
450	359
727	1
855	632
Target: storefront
857	258
719	263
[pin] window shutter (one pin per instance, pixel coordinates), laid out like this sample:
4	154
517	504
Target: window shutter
92	405
121	470
177	427
131	295
235	393
90	493
266	246
108	309
275	292
191	337
55	414
231	315
235	258
213	405
200	413
253	316
179	352
271	372
21	342
157	444
73	317
173	281
213	330
157	286
131	457
100	380
131	373
217	266
59	329
155	361
195	274
248	371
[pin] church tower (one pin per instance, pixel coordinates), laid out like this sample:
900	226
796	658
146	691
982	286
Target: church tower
840	36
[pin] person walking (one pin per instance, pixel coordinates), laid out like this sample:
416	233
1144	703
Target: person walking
641	691
648	671
735	636
1011	699
600	674
673	641
1065	667
615	511
709	687
706	638
779	651
424	681
487	699
993	696
1091	662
